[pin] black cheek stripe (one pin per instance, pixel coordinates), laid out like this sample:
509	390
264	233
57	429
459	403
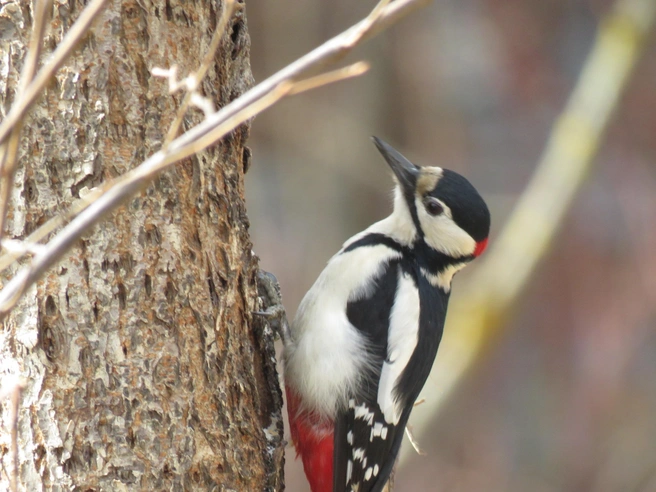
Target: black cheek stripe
412	206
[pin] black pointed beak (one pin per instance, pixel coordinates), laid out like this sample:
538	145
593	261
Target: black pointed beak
404	170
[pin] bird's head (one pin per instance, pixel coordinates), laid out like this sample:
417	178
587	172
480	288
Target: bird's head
439	206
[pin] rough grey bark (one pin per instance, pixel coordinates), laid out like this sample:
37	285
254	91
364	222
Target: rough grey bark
145	367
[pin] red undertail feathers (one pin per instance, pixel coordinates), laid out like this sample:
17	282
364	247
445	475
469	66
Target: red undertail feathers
313	439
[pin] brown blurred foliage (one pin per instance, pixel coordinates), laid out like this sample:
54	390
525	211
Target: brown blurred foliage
566	401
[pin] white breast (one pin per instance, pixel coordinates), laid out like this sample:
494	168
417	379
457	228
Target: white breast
326	356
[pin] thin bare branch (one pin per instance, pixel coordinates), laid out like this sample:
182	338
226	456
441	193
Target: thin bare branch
476	321
354	70
363	27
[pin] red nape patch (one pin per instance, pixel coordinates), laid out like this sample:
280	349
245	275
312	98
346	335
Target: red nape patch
480	247
313	440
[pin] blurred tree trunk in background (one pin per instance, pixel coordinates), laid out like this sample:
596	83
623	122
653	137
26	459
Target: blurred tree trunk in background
144	367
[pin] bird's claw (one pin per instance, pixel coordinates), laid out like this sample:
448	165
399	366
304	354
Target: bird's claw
271	299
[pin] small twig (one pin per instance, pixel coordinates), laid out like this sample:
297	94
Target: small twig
363	27
21	248
192	97
354	70
410	435
413	441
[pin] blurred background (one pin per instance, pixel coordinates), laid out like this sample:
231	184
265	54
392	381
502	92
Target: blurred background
565	400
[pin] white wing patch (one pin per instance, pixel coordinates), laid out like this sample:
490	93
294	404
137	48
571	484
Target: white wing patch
402	340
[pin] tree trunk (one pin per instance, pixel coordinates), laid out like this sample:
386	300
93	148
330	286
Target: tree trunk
145	368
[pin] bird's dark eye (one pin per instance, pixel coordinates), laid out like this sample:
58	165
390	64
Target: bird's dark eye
433	207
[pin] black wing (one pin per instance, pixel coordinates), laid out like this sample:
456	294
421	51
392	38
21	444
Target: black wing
370	446
365	445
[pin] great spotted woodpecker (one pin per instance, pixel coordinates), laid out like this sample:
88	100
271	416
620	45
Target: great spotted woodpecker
366	333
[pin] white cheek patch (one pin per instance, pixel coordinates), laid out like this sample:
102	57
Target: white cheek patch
443	234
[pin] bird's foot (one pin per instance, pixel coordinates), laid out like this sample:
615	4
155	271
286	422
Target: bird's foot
271	301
